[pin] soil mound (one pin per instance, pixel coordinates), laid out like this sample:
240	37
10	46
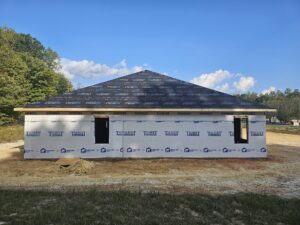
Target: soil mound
74	166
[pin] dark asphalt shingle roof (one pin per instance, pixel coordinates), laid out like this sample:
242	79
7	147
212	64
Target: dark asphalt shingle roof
146	89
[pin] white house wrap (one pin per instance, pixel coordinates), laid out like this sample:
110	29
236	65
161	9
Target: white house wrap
144	132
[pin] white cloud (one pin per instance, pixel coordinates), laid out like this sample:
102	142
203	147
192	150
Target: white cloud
224	87
244	84
269	90
225	81
210	80
86	69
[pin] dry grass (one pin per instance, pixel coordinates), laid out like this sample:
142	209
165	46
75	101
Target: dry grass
288	129
11	133
278	174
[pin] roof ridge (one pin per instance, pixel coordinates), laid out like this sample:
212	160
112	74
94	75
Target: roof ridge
103	82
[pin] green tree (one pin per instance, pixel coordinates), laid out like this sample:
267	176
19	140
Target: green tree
11	95
286	102
28	73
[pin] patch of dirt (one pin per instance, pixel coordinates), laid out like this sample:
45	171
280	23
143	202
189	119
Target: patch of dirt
283	139
278	174
74	165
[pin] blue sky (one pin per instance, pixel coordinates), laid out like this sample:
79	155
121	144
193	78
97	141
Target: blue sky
233	46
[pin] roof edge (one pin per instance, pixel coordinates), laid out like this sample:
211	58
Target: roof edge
141	110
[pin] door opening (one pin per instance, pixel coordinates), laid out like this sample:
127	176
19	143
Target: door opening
101	130
240	130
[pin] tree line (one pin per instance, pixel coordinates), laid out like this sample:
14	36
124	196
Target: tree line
286	102
28	73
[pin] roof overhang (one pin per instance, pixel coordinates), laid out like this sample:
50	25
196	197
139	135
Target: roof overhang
212	110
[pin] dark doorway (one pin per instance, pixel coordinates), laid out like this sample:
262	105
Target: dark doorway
240	130
101	130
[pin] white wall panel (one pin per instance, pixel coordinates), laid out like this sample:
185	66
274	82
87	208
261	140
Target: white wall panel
190	136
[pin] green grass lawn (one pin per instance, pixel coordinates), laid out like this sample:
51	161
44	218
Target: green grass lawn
11	133
93	207
288	129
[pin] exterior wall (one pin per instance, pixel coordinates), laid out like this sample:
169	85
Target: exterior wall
188	136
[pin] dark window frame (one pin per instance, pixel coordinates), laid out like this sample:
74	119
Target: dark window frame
238	122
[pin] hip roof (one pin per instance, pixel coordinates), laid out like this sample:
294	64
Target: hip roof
142	91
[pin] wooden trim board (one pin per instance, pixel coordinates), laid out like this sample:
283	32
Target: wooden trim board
139	110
